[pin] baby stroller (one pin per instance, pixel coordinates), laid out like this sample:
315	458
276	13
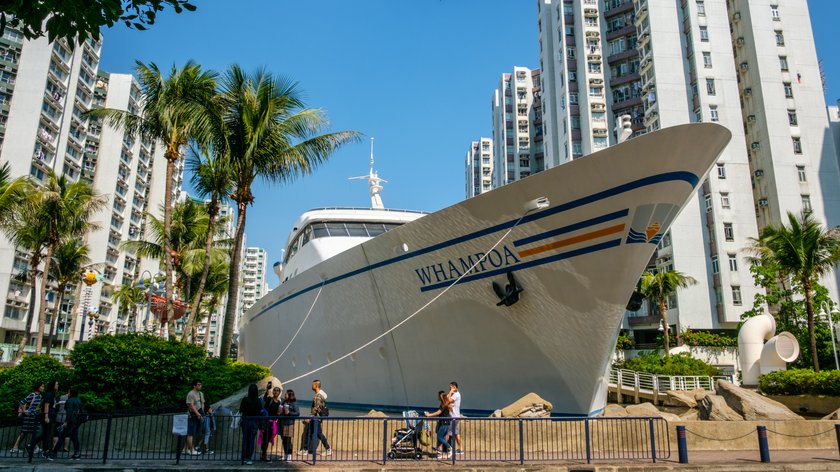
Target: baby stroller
406	441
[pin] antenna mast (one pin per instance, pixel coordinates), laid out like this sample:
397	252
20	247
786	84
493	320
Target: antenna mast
374	181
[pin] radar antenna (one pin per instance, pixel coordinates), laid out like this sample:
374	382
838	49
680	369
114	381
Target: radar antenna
374	181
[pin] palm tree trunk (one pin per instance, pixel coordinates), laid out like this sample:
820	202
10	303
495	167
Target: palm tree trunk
42	308
233	282
812	338
34	261
212	210
57	312
663	312
77	308
171	156
214	299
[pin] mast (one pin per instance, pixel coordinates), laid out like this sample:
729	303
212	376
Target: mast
374	182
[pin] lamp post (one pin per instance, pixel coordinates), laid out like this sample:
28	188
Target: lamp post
829	317
89	278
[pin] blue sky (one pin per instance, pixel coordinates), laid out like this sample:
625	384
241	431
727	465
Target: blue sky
418	76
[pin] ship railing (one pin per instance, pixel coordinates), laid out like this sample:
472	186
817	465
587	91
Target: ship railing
111	438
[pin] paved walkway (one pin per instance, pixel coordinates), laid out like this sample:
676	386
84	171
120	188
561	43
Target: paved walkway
714	461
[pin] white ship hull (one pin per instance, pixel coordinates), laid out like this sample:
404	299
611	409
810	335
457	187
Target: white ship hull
578	261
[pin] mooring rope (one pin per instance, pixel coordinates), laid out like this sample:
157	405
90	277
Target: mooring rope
389	331
299	327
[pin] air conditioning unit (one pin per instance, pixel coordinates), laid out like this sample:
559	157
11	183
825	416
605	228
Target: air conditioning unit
745	66
748	92
763	202
740	41
736	17
755	145
759	172
751	118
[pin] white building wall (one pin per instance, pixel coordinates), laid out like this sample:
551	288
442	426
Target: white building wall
478	167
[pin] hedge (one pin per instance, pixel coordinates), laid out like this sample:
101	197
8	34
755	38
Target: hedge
800	382
678	364
16	382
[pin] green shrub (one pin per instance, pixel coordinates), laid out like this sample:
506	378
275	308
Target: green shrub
678	364
624	342
16	382
221	377
800	382
701	338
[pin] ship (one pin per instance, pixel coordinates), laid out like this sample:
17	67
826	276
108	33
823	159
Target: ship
520	289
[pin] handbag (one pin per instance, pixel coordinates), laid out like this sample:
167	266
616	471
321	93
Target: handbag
25	411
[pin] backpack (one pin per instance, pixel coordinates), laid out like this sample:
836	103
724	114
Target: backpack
326	410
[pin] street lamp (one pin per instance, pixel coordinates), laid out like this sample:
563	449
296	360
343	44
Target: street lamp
829	317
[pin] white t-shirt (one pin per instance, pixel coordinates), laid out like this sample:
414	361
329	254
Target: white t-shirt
456	405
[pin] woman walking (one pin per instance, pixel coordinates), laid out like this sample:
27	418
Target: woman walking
28	410
290	411
49	417
249	409
74	417
443	411
271	403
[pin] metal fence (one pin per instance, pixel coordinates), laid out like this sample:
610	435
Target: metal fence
652	382
379	440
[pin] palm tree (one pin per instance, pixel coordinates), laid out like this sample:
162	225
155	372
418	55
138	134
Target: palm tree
11	190
210	180
216	286
22	225
174	111
66	209
267	133
657	287
803	251
68	261
128	296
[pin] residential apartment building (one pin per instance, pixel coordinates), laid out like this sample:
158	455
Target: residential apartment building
834	124
479	167
666	63
216	316
45	88
253	283
518	149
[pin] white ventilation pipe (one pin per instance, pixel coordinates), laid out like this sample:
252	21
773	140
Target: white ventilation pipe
751	339
778	352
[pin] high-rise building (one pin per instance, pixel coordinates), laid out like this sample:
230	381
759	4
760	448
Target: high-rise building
254	284
45	88
479	167
834	124
667	63
216	316
517	135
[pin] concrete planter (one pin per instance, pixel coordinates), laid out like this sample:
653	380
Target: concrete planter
808	404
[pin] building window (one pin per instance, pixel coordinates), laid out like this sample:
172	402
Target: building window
780	38
724	200
797	145
704	34
710	86
806	203
774	12
800	172
736	295
707	60
783	63
573	98
733	262
701	8
792	118
713	113
572	76
570	52
721	171
788	90
599	142
728	232
715	264
708	200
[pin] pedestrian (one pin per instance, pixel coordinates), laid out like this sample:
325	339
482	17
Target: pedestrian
75	417
319	409
195	407
208	428
454	398
250	409
289	412
29	410
60	419
48	417
271	404
442	428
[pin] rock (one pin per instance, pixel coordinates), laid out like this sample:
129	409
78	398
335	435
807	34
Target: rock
233	401
690	415
529	406
374	414
496	414
833	416
752	405
699	394
613	410
714	408
681	398
649	409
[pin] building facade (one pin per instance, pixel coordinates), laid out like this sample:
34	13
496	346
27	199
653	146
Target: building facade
253	284
479	167
518	149
666	63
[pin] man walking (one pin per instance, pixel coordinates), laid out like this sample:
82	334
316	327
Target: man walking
454	398
319	408
195	408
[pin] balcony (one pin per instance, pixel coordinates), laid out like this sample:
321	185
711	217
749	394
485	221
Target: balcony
643	320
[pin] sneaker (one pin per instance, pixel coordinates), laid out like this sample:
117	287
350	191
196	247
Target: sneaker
288	457
194	453
37	450
49	457
208	451
14	450
460	452
328	452
249	462
445	455
76	457
304	452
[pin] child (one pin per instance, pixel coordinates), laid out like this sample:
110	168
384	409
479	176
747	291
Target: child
209	425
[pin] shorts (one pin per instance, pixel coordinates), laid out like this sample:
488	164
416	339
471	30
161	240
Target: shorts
455	426
194	426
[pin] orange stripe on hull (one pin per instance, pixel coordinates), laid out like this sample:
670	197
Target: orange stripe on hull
573	240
